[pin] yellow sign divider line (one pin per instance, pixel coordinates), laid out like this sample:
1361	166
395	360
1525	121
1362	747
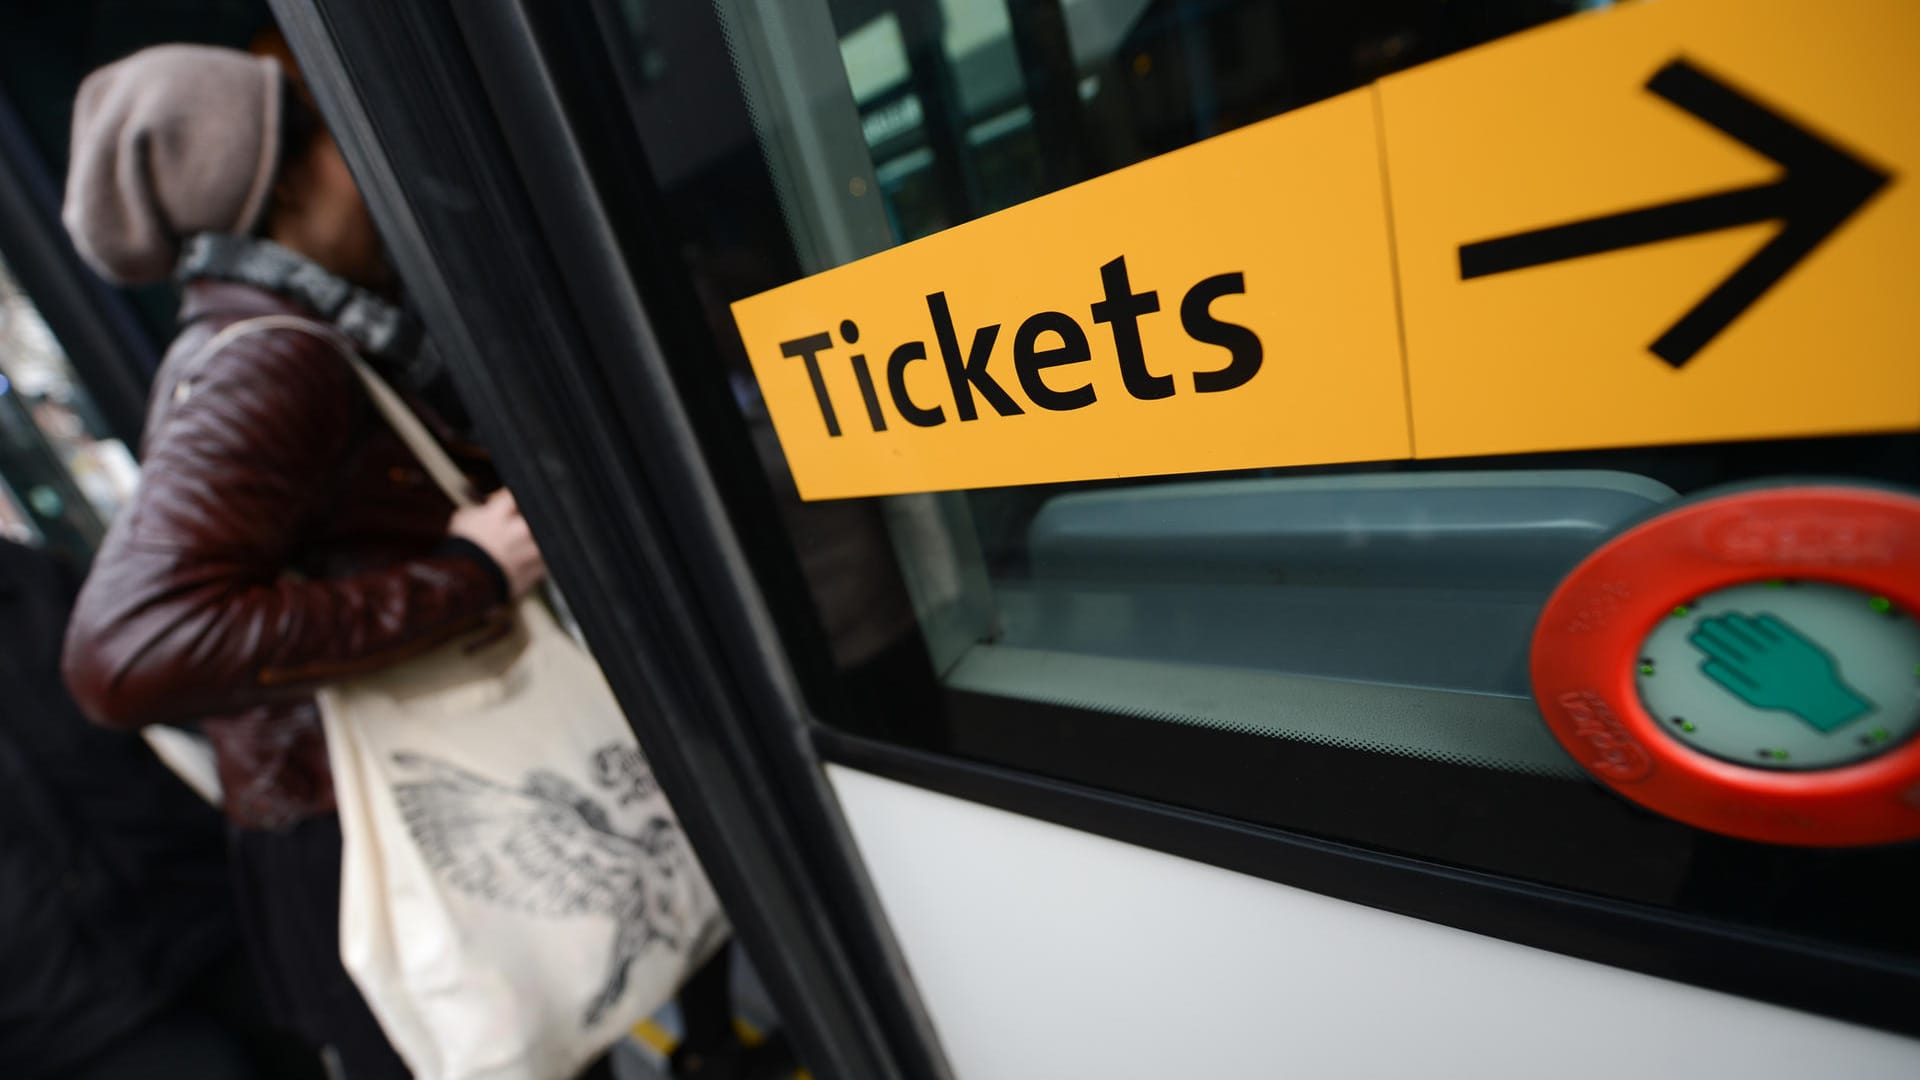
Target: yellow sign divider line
1672	222
1393	259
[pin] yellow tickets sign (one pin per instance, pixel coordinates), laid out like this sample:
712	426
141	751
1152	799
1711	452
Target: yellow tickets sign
1679	221
1226	306
1682	221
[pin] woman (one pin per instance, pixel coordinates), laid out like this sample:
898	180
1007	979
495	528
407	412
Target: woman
282	536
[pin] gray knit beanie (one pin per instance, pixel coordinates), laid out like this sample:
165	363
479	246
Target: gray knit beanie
169	142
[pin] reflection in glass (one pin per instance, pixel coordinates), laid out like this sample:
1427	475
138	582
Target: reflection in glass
971	106
65	477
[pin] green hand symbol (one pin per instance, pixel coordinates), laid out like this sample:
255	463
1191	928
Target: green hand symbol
1767	664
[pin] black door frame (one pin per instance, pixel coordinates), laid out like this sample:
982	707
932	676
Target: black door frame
448	119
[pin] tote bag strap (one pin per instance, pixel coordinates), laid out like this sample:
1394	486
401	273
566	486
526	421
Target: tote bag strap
432	457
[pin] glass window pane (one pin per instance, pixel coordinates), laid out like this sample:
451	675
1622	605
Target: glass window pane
970	106
68	478
1339	651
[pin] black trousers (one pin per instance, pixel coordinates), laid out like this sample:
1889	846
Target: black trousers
289	888
216	1030
182	1043
288	882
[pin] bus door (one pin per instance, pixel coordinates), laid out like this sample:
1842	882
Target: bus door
1220	538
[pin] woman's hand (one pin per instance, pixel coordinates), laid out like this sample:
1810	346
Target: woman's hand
496	527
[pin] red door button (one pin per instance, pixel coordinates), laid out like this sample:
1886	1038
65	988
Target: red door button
1749	664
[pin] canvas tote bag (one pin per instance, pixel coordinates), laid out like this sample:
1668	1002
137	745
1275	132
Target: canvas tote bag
190	757
516	892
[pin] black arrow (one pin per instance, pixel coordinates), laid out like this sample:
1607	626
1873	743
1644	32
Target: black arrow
1821	187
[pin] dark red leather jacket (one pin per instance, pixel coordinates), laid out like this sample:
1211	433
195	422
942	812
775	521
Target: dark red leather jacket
282	536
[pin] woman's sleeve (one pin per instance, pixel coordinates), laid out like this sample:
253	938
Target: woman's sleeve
189	609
